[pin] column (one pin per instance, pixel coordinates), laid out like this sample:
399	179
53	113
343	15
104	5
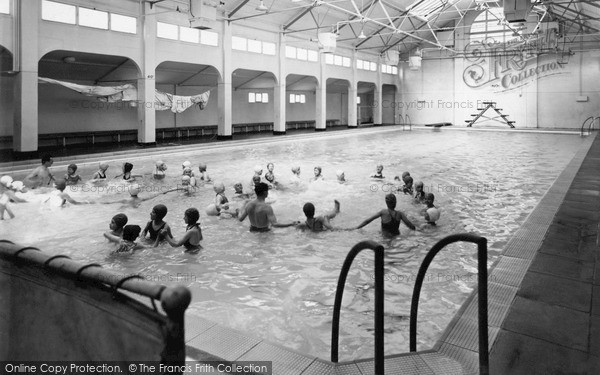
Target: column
25	125
378	97
146	85
280	92
321	97
352	109
225	96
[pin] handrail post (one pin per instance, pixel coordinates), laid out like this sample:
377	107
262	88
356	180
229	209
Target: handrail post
482	293
379	302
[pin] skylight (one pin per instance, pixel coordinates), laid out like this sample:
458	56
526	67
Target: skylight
427	8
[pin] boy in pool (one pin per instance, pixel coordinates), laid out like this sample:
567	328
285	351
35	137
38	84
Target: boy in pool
204	177
419	193
321	222
318	175
378	173
41	175
117	223
159	170
239	192
431	213
193	234
261	214
71	177
101	173
156	224
61	185
127	244
390	218
127	176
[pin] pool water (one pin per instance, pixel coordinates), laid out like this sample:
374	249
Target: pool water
280	286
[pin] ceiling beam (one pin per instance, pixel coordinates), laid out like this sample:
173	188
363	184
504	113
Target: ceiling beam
240	6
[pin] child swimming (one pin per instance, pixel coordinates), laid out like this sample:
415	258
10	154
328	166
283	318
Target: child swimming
431	213
156	224
419	193
191	179
390	218
7	195
117	223
159	170
239	191
204	177
221	205
63	197
127	176
321	222
127	244
378	173
101	173
71	177
193	233
318	176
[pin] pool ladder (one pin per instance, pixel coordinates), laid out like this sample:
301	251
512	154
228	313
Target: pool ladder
591	121
405	122
482	285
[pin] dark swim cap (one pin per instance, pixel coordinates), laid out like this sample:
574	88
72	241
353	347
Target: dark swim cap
390	200
160	210
73	167
193	215
309	209
127	167
131	232
120	220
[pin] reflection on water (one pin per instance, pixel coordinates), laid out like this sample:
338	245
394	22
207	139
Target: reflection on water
280	286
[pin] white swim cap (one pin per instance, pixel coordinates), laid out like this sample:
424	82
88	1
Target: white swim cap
17	185
211	210
186	179
258	169
434	214
339	172
6	181
219	187
186	164
134	190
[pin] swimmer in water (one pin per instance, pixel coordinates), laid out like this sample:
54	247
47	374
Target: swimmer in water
127	244
390	218
221	201
419	193
239	192
159	170
71	177
156	224
431	213
257	173
61	185
127	176
204	177
7	194
41	175
321	222
261	214
193	233
117	223
341	176
296	174
101	173
318	175
134	201
378	173
408	185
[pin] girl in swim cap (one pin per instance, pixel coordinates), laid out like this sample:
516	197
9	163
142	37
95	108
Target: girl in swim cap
71	177
127	243
156	224
127	176
159	170
117	223
101	173
203	173
193	234
318	175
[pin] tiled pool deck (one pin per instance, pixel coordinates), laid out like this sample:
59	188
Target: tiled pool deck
544	296
544	300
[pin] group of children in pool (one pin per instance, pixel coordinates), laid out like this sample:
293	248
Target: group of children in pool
157	230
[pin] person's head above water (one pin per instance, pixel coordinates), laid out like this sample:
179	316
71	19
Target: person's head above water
296	169
47	160
419	186
134	190
72	168
309	210
161	166
270	167
256	180
127	167
131	232
159	211
408	181
258	169
119	220
239	188
187	171
404	174
429	198
192	215
379	168
6	181
269	176
219	187
60	184
318	171
261	189
202	167
103	166
185	180
390	201
186	164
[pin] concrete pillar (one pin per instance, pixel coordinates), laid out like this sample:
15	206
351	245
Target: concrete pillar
146	86
378	97
352	109
225	95
279	92
321	97
25	125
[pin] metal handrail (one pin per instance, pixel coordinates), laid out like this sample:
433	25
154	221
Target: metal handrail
585	122
482	292
408	121
379	298
401	120
590	128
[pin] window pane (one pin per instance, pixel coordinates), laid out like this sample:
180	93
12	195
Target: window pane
329	59
269	48
124	24
359	64
5	6
346	62
209	38
302	98
187	34
265	97
64	13
373	67
337	60
238	43
290	52
258	97
313	55
254	46
166	30
292	98
297	98
302	54
93	18
251	97
394	70
358	100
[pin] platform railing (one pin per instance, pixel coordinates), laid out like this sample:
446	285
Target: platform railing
482	285
379	298
590	121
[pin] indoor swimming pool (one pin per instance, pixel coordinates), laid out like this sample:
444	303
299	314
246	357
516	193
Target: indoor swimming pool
280	286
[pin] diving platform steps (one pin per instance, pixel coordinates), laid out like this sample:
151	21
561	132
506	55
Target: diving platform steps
502	118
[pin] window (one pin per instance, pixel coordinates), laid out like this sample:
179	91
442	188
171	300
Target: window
58	12
329	59
292	98
123	24
167	31
238	43
5	6
187	34
93	18
258	97
269	48
297	98
337	60
302	54
346	62
358	100
251	97
394	70
373	67
313	55
290	52
209	38
491	24
359	64
254	46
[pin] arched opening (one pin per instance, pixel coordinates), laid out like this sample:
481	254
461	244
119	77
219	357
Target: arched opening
388	104
301	101
365	102
337	102
253	108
